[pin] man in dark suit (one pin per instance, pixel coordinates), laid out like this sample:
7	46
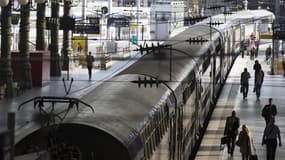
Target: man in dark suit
231	131
269	111
244	82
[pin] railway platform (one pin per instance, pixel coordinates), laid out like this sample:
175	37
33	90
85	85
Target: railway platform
55	87
249	110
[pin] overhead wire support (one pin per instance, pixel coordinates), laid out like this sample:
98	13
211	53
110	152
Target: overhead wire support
53	99
48	114
65	88
215	7
153	47
158	47
151	81
194	20
227	13
216	23
196	40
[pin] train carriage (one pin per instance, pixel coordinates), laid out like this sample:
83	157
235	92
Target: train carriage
140	121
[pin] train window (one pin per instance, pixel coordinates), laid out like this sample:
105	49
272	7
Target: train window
160	131
147	150
190	77
172	98
164	123
161	124
144	137
166	117
190	86
163	113
154	129
146	134
161	120
151	139
217	79
206	63
148	141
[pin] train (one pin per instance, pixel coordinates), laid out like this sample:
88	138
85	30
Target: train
158	107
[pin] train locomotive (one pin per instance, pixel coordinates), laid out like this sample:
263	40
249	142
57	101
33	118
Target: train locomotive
160	120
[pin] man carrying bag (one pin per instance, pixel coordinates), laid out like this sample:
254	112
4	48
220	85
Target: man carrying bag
231	131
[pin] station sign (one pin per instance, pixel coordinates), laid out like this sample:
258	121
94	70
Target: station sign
51	22
133	25
119	22
65	23
92	27
87	28
94	20
122	24
266	36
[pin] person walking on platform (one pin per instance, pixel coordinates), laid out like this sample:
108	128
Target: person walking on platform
256	42
258	80
231	131
242	48
244	82
269	111
256	65
79	48
252	53
283	62
268	53
245	142
89	61
270	134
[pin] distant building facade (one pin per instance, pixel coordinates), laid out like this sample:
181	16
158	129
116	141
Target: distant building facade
165	16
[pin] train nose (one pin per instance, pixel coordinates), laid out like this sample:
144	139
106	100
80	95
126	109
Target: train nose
73	140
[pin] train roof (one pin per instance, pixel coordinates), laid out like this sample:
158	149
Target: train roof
121	108
241	17
185	56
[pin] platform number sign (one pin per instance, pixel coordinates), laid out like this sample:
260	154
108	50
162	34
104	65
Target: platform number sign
134	39
94	20
93	27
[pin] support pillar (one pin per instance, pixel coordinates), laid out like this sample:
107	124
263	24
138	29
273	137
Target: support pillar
6	74
66	50
54	66
24	47
138	17
40	37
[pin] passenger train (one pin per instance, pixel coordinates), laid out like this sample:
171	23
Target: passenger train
132	122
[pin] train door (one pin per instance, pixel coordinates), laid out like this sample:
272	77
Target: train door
216	77
197	118
233	34
227	51
172	137
213	75
176	126
189	114
221	51
219	66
